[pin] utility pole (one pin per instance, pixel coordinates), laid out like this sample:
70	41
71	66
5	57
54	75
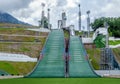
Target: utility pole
79	22
88	23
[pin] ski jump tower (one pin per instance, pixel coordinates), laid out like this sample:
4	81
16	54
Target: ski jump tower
64	19
45	21
62	22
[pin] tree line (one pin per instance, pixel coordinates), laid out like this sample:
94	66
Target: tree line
114	25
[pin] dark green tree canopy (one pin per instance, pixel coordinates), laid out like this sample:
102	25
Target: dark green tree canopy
114	25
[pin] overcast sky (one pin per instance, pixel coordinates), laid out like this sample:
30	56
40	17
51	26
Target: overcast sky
30	10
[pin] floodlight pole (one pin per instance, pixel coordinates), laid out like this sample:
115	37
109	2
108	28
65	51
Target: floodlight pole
79	22
88	23
49	18
42	20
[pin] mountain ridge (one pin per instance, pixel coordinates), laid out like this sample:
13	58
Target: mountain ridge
7	18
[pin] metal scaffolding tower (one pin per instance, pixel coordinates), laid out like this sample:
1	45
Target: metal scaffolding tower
106	62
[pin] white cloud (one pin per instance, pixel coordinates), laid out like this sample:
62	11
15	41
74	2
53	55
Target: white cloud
10	5
111	9
30	10
83	17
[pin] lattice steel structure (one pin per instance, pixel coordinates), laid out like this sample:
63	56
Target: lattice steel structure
107	60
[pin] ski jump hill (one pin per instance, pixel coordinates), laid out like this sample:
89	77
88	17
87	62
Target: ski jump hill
52	62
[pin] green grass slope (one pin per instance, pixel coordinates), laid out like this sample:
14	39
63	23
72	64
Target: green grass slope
20	31
21	68
94	56
9	25
24	43
116	52
112	42
61	81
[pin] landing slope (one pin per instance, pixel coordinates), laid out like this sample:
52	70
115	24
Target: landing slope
52	64
78	64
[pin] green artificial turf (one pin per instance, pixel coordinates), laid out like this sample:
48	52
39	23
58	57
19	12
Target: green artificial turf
61	81
114	42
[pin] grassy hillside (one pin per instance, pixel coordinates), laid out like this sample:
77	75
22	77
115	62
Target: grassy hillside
21	38
114	42
16	68
116	52
21	41
20	31
31	49
94	56
10	25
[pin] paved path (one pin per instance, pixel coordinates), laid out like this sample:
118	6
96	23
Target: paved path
108	73
114	46
22	35
39	29
9	77
16	57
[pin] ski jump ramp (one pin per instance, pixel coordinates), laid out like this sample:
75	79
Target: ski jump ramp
79	65
52	61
